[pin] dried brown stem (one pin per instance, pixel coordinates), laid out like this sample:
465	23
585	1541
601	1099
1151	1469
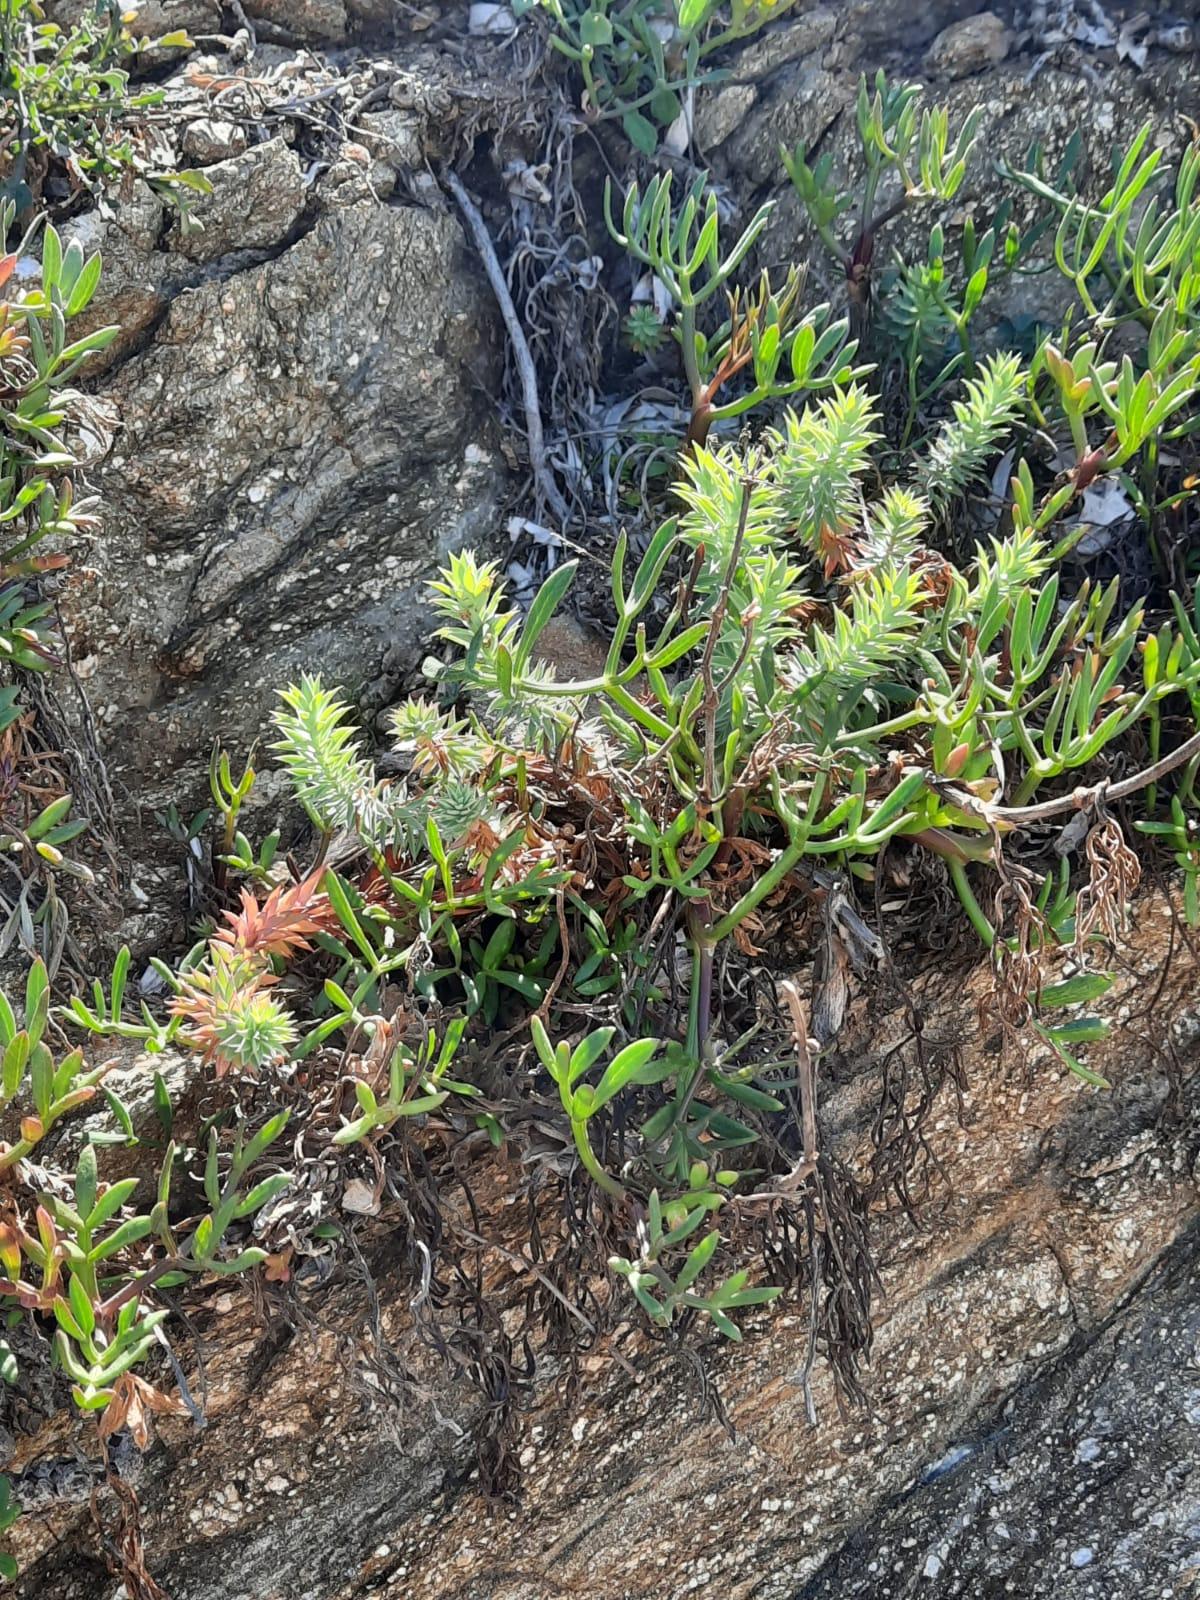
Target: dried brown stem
540	466
1078	799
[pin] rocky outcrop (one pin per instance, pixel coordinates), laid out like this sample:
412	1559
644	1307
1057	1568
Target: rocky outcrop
1087	1484
299	443
1030	1393
301	385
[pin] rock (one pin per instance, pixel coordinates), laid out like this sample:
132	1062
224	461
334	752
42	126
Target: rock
722	110
970	46
570	648
795	38
490	17
1177	36
1085	1487
393	136
312	21
154	17
720	115
185	1080
303	439
355	177
383	20
256	200
872	25
804	102
134	283
206	141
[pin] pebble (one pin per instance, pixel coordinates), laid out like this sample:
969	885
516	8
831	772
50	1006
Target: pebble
970	46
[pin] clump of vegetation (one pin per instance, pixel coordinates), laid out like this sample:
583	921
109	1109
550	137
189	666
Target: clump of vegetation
762	328
819	686
640	60
44	420
68	112
66	102
80	1254
907	160
39	409
93	1263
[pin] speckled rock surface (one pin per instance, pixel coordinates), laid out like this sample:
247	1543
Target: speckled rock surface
971	45
302	438
135	283
1086	1485
154	17
256	200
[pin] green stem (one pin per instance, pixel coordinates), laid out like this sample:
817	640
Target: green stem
962	328
586	1154
691	362
759	890
1081	289
1078	433
15	1153
606	685
1029	785
693	1033
970	905
621	696
882	730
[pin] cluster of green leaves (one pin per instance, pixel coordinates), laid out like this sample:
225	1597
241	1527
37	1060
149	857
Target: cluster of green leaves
38	406
768	348
28	1066
35	914
1179	830
41	412
1129	259
92	1262
794	681
909	149
818	685
1115	384
663	1292
923	309
417	1082
96	1262
998	664
65	95
639	59
761	330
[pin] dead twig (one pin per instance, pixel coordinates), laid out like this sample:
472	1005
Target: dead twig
542	476
243	21
517	1260
1079	799
124	1552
